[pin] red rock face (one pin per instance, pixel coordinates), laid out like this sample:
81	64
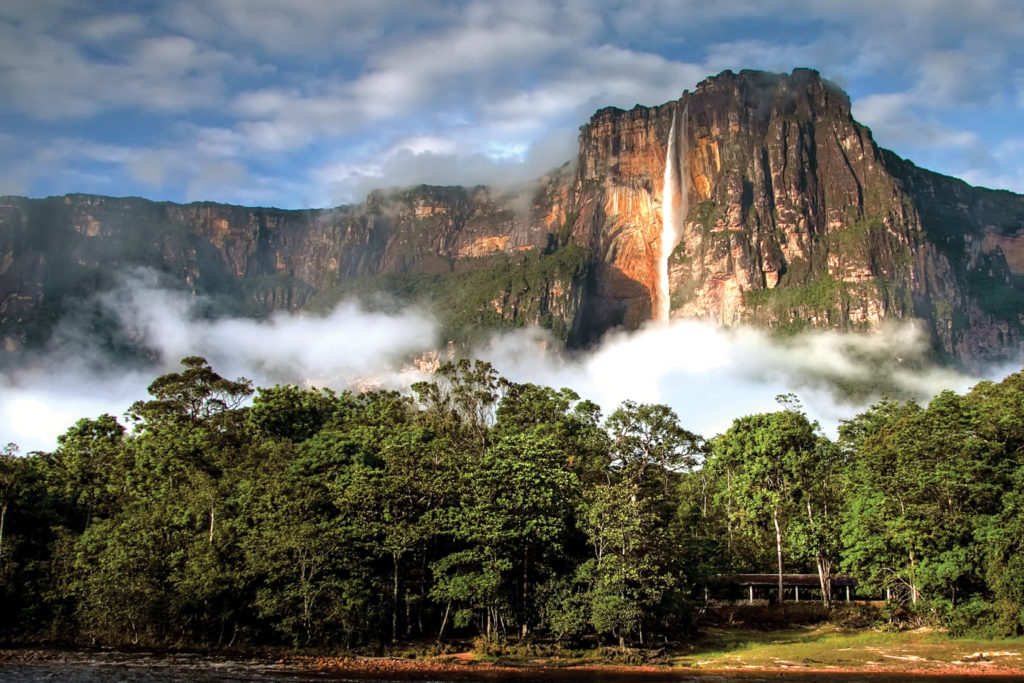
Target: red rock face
795	219
623	154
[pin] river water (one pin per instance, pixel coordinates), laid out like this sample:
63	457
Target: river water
105	668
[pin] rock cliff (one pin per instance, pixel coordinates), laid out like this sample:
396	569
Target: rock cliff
755	198
57	253
795	218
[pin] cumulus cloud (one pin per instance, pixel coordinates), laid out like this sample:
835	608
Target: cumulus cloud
897	121
444	161
305	29
289	90
51	77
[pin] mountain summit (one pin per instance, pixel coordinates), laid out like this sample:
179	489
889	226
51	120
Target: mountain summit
756	198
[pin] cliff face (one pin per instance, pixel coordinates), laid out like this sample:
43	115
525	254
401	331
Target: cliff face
56	253
756	198
795	218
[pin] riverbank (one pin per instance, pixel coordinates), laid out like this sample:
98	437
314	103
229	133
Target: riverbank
811	653
734	654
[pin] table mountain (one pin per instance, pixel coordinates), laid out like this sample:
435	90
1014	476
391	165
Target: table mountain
756	198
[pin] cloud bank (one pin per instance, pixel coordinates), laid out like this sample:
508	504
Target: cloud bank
297	103
707	374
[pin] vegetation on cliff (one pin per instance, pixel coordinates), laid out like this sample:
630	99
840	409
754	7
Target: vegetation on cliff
796	219
485	507
494	293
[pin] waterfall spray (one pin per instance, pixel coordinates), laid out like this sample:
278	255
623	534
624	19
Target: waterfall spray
673	210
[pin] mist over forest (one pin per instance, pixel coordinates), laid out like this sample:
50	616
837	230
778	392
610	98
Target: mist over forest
706	373
217	514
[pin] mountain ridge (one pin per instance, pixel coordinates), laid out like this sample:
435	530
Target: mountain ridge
790	217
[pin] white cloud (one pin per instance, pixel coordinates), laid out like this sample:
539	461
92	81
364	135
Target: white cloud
1005	171
74	379
709	375
51	74
712	375
958	78
105	28
899	122
149	168
288	89
464	158
305	29
350	341
215	176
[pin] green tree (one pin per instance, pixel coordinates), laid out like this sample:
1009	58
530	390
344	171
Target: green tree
923	484
196	394
765	455
88	471
306	548
289	412
647	436
9	471
460	404
628	574
512	514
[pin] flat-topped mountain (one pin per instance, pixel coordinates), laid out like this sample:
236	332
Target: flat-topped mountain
756	198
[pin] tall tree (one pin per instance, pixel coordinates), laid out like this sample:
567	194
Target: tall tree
647	436
8	480
764	455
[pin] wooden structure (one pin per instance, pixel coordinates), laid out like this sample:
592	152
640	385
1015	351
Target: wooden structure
808	582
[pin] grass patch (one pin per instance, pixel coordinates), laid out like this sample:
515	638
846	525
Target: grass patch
830	646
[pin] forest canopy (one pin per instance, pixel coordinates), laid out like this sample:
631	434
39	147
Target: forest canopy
215	514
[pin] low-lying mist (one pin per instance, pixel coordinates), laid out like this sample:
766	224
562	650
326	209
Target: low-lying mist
707	374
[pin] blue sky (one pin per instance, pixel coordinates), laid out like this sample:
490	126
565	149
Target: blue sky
307	103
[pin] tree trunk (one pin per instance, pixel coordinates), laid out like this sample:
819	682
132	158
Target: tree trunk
3	514
778	546
306	621
212	518
728	508
394	602
408	615
913	580
825	581
526	558
444	620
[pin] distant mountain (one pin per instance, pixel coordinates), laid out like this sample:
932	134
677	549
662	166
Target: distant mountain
756	198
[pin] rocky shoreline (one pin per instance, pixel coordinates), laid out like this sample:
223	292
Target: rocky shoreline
102	665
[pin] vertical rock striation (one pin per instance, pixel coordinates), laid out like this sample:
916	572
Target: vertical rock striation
756	198
796	219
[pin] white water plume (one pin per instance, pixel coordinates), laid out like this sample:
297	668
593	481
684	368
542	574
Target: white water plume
673	211
711	375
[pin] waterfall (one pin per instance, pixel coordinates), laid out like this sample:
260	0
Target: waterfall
673	210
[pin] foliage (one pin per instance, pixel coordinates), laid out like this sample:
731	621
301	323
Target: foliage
501	292
481	507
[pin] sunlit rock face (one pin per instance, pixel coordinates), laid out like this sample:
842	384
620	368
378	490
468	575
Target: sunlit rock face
756	198
797	219
55	253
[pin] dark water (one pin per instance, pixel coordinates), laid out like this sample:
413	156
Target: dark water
100	668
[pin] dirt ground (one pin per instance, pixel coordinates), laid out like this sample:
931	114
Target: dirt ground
810	653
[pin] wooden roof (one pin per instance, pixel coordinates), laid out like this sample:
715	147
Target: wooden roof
788	580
